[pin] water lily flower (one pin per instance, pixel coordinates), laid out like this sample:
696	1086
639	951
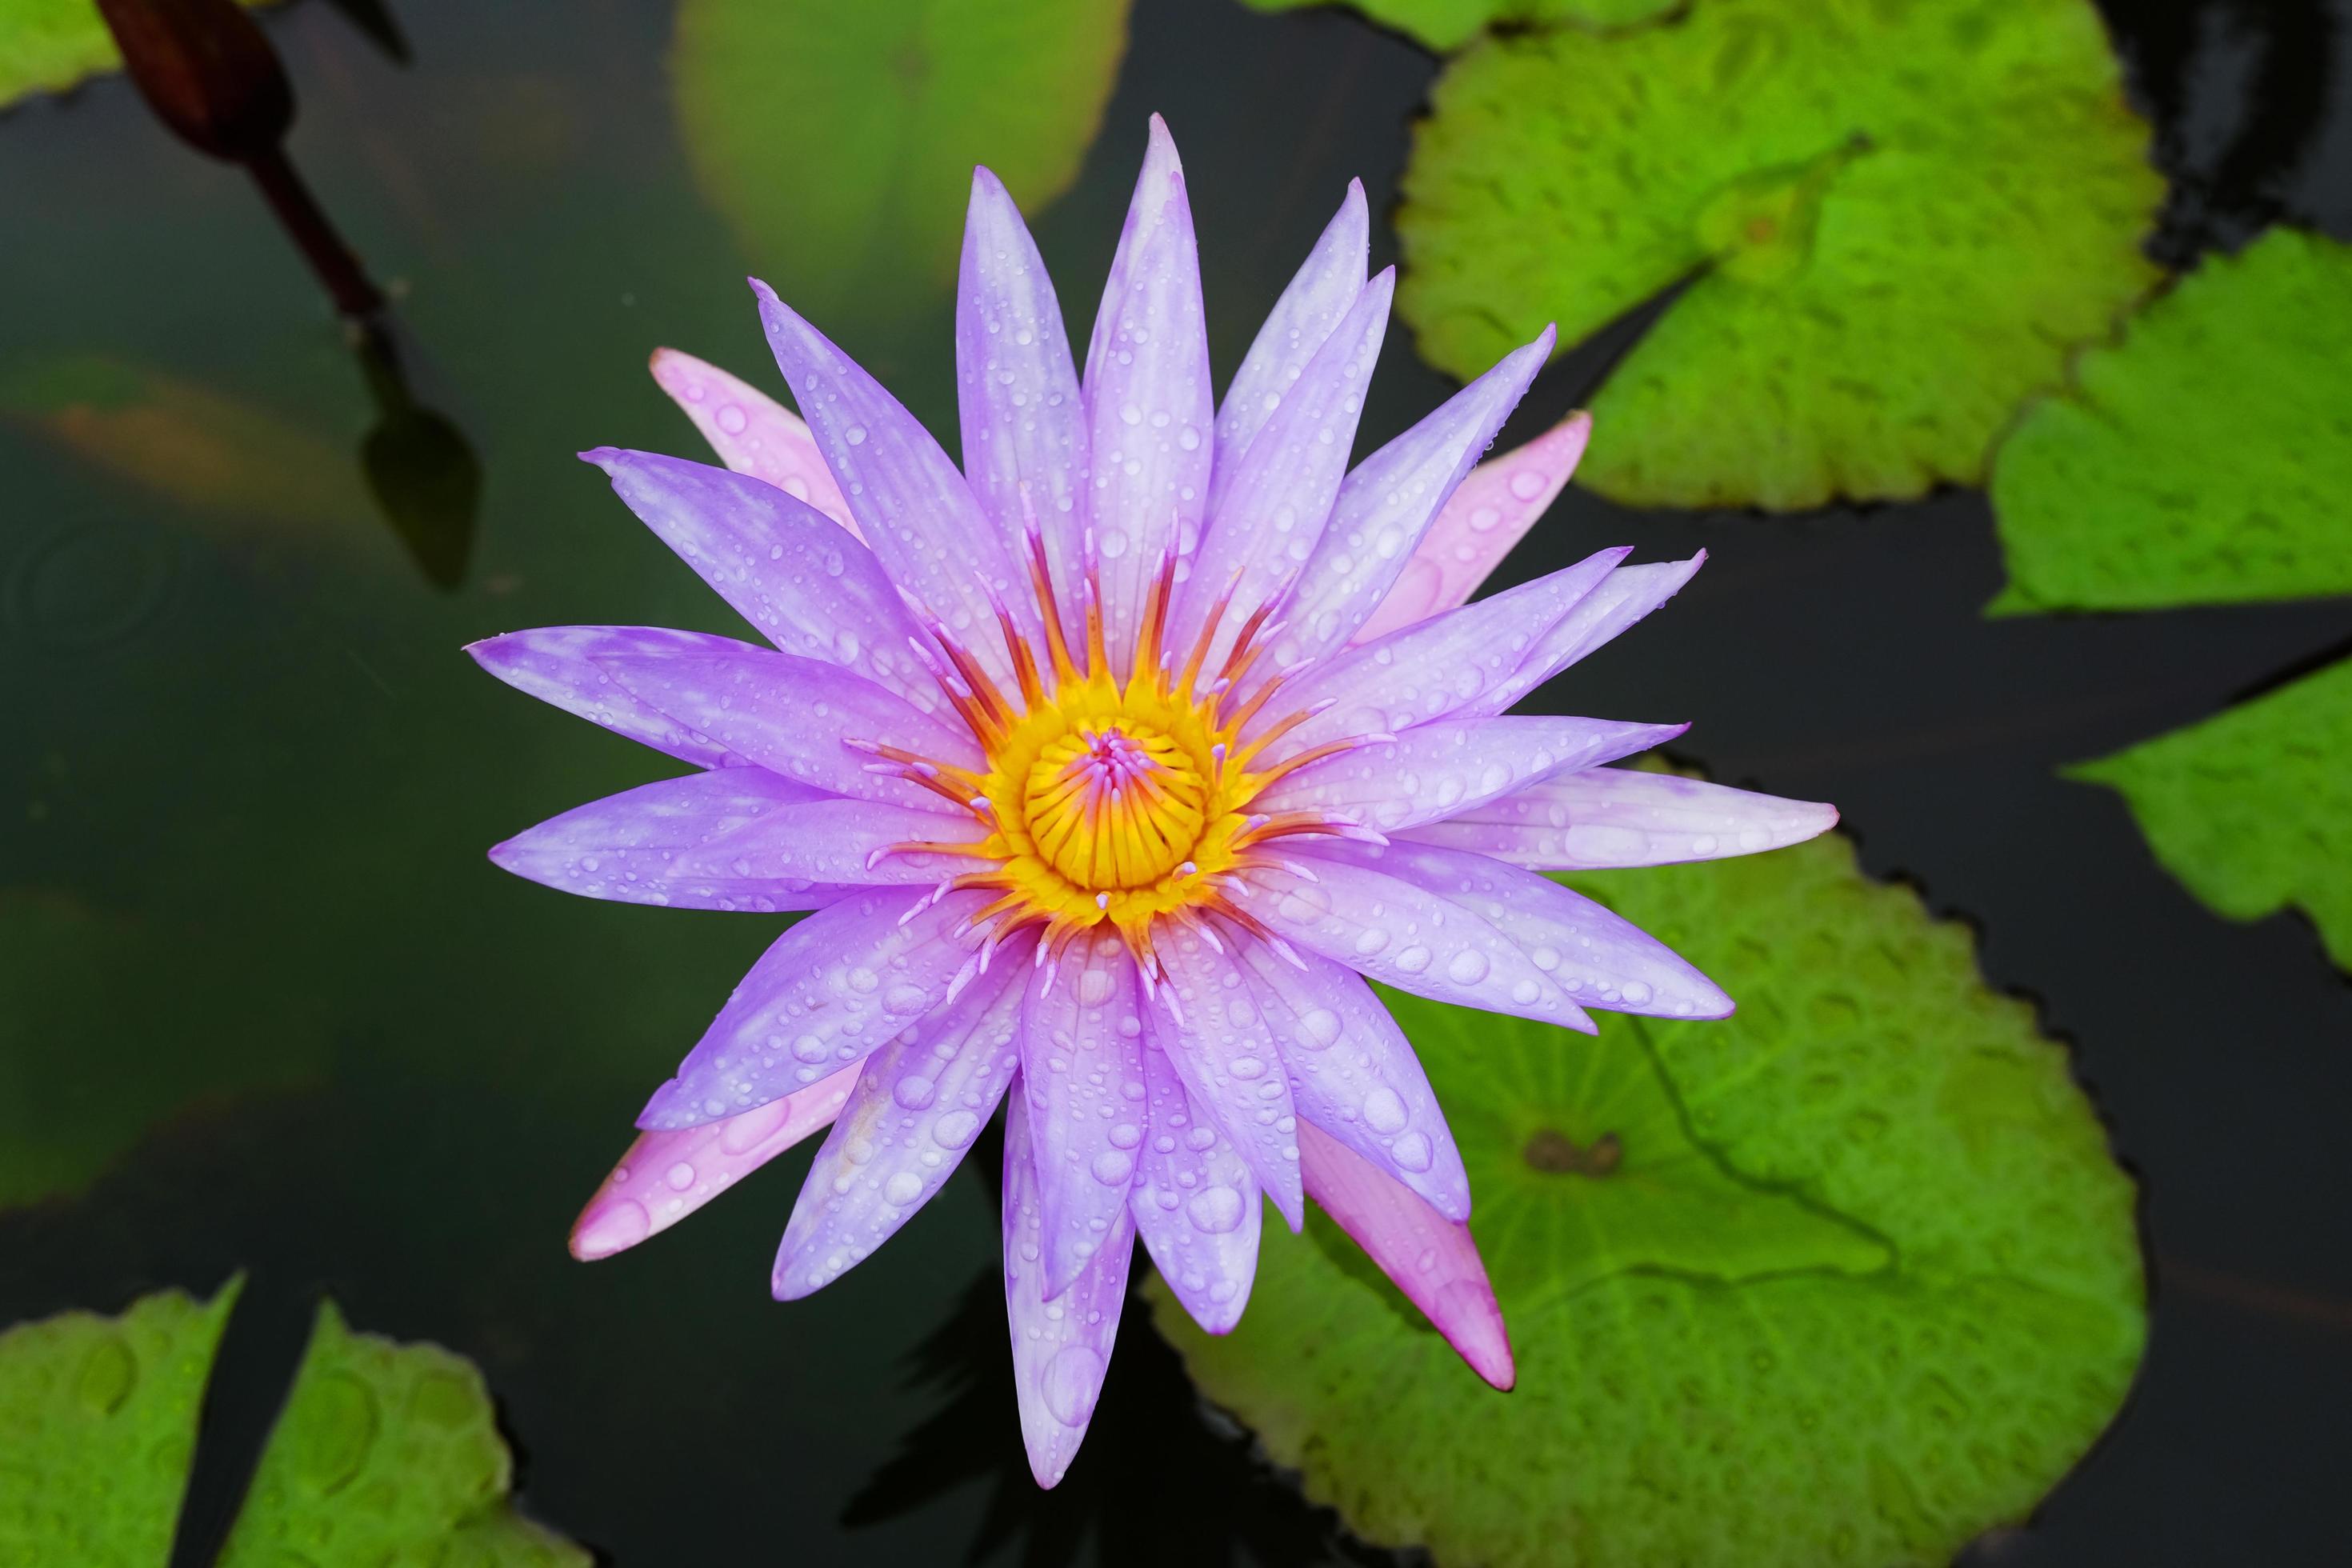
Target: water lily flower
1109	766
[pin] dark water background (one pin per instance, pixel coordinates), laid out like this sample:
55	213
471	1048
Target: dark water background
253	752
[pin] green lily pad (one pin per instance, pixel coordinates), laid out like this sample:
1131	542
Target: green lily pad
1897	219
2205	458
2252	809
838	141
384	1454
1845	1278
48	46
97	1429
1445	24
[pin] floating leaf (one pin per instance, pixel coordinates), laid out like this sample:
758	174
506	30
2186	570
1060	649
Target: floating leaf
838	141
2205	458
1450	23
100	1428
2253	809
1842	1279
1896	218
384	1454
48	46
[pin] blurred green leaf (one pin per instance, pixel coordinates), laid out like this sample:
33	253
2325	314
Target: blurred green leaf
2205	458
1896	218
384	1453
838	141
1843	1279
2253	809
48	46
1449	24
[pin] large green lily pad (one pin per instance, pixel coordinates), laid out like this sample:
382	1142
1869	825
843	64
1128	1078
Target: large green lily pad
384	1454
2206	457
2252	809
48	46
838	141
1897	217
1843	1279
1449	24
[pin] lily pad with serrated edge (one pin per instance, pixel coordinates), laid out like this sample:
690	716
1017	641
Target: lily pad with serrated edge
1845	1278
1445	24
384	1453
838	141
1897	218
2204	459
2252	809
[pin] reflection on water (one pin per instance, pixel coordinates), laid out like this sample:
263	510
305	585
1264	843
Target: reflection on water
212	77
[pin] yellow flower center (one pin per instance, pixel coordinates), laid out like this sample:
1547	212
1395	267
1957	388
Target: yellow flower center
1106	801
1110	809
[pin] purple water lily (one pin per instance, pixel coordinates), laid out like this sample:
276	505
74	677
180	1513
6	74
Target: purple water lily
1108	767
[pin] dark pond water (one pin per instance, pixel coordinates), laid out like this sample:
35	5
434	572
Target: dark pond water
246	782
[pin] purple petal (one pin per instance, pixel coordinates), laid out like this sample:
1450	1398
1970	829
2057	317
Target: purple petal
634	848
1387	504
751	432
1195	1203
796	717
558	665
810	589
911	504
1324	289
1280	499
1432	1260
1630	593
1602	959
1148	410
827	993
665	1177
1354	1074
1061	1348
1206	1019
832	840
1082	1068
919	1102
1404	935
1492	508
1433	668
1439	769
1624	816
1024	432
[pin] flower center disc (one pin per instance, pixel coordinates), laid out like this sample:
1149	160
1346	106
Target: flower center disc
1120	806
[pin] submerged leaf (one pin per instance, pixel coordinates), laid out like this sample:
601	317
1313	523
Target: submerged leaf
384	1453
62	967
1450	23
100	1428
1842	1279
838	141
247	474
2204	459
48	46
1895	219
2253	809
